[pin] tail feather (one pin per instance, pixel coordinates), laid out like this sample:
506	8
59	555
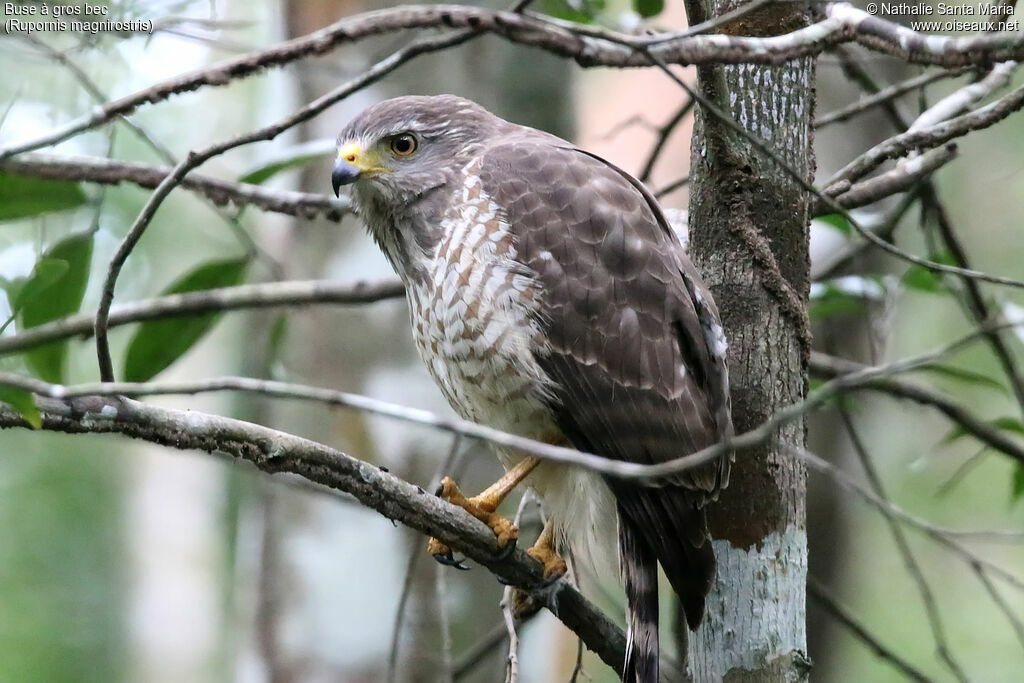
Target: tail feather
639	567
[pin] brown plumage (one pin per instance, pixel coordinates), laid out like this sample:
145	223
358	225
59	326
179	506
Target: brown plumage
550	298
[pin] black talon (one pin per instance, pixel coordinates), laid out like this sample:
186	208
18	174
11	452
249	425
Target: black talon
448	560
439	490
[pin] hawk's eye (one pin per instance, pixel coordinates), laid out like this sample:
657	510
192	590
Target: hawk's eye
403	145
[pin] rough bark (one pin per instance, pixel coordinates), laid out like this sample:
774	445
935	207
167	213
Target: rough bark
749	236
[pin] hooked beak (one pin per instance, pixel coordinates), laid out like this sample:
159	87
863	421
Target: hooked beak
344	173
354	163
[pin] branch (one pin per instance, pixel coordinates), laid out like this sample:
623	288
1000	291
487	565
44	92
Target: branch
273	451
828	603
900	179
975	300
589	46
961	100
831	367
903	546
664	133
885	96
295	293
220	192
932	136
943	537
545	451
937	135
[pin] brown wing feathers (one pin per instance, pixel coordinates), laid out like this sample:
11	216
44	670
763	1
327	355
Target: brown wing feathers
627	352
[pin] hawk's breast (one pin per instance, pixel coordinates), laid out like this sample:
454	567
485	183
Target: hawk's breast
474	320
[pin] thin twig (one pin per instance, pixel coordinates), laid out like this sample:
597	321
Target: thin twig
885	96
975	299
825	366
507	611
828	603
162	151
588	45
1002	605
664	133
416	551
219	192
940	536
903	546
264	295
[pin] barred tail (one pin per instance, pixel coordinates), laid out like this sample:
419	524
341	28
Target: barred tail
639	567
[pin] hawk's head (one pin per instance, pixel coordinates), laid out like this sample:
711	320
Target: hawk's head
403	158
401	149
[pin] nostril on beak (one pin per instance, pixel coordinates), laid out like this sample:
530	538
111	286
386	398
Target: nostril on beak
344	173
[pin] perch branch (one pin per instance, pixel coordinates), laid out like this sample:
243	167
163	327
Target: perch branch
273	451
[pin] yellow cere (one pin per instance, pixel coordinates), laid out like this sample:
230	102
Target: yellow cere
349	152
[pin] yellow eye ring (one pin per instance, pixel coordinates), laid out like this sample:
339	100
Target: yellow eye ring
404	145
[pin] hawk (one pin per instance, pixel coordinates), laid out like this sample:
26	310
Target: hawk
550	298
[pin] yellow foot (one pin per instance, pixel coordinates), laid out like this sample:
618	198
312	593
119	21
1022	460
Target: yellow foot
483	508
554	565
544	552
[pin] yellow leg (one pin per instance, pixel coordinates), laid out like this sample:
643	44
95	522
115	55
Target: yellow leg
483	507
544	552
525	603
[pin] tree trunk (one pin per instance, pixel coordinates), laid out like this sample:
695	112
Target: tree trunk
749	232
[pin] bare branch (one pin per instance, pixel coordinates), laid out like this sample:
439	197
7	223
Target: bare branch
900	179
273	451
823	365
932	136
220	192
885	96
828	603
975	300
587	45
960	101
664	133
268	295
941	536
903	546
755	437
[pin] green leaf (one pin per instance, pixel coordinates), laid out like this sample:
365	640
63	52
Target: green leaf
55	299
1009	424
299	155
920	278
22	401
22	196
46	272
648	8
158	343
964	375
1017	489
837	221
